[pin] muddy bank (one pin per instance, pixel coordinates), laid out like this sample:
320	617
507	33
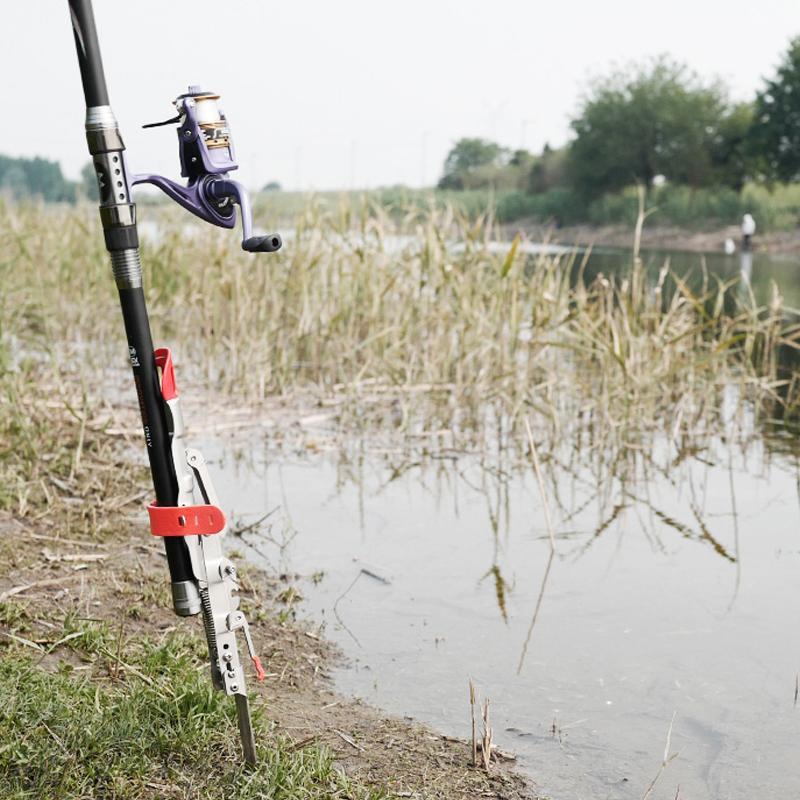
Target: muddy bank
49	571
655	237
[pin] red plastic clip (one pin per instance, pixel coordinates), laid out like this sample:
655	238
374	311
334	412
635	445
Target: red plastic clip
260	674
169	389
185	520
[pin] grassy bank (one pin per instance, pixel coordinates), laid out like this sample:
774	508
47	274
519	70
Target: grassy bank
100	698
151	726
423	308
103	695
107	694
413	323
776	209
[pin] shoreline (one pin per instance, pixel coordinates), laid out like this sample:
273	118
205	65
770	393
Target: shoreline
654	237
55	573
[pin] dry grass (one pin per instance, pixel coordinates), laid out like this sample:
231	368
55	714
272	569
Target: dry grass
422	312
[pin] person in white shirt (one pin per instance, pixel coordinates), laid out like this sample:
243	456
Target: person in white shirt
748	230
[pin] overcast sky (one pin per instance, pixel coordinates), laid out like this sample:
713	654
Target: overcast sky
329	94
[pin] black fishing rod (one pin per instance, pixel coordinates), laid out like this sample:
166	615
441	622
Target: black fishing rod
185	512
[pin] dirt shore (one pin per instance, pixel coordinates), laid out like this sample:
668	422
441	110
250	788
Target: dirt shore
655	237
47	572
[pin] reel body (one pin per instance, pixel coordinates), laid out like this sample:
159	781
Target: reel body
206	152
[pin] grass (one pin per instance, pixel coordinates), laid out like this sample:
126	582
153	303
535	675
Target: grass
423	309
146	723
409	323
775	208
412	320
88	712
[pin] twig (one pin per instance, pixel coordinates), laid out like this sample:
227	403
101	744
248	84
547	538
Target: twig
538	472
239	531
347	739
535	612
35	585
336	609
472	715
370	574
664	762
486	743
56	738
120	663
299	745
22	640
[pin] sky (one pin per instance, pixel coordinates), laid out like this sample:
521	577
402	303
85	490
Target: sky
359	93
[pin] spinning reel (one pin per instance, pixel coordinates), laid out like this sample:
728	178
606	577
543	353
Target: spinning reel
207	156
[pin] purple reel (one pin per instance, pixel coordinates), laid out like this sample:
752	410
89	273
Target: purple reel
207	156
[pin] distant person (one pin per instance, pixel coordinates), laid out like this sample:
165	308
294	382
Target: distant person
748	231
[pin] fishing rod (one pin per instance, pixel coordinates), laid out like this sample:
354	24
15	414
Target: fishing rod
185	512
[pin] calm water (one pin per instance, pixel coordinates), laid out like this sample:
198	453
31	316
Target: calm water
759	269
684	602
672	592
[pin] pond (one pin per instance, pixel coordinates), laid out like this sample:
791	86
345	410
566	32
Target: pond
760	270
664	608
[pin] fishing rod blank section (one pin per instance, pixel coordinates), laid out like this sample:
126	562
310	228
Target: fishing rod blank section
88	47
151	406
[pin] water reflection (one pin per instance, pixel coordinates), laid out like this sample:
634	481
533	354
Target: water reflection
662	584
761	270
596	574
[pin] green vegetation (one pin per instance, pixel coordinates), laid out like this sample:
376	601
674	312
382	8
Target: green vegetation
362	299
35	177
703	159
413	321
776	209
775	134
476	163
660	120
146	724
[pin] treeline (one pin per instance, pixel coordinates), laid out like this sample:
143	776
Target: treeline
657	125
41	178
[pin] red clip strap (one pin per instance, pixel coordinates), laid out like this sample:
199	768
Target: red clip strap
169	389
185	520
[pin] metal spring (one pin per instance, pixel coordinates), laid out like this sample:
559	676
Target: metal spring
127	268
211	638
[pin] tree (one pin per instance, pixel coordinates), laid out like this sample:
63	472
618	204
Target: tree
35	176
272	186
468	156
774	139
14	181
730	149
547	170
661	120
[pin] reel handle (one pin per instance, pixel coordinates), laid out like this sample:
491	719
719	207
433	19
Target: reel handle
263	244
222	189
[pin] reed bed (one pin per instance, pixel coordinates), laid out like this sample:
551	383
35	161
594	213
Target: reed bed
418	317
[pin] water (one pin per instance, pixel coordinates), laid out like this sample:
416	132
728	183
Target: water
759	269
682	601
668	606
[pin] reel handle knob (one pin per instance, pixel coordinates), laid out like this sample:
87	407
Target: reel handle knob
263	244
